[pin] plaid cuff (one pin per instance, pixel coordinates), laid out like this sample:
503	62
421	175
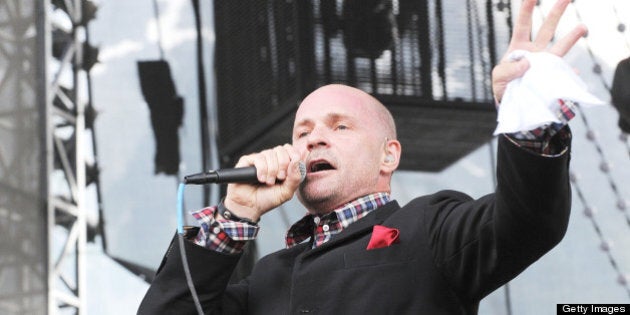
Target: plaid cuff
541	140
223	236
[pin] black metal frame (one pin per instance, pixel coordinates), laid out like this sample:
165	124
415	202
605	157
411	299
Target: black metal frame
270	54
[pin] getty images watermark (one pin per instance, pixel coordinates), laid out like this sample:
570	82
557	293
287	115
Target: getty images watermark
592	309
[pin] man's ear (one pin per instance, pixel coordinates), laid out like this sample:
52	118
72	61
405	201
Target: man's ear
391	156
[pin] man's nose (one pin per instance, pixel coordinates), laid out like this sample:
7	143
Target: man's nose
317	138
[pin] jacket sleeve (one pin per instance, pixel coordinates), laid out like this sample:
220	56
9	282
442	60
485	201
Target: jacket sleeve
210	271
481	244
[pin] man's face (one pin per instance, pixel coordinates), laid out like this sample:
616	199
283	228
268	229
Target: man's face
338	135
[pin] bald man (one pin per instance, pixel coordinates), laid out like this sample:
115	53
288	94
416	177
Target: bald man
357	251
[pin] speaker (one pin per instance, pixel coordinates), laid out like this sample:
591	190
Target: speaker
167	112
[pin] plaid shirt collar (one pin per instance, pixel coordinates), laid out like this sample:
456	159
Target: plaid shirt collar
321	228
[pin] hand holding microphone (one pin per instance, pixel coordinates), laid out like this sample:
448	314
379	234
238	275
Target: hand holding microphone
248	174
259	182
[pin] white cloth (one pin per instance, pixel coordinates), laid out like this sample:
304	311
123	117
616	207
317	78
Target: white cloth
530	101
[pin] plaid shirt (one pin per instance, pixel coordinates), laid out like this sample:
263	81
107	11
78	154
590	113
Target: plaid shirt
229	237
222	235
540	139
321	228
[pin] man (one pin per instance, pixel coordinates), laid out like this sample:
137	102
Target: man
358	251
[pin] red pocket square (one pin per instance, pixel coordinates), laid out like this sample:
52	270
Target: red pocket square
383	236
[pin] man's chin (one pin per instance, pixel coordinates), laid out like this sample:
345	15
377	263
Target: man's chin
313	198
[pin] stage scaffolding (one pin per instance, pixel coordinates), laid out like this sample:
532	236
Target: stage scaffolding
45	114
23	178
69	118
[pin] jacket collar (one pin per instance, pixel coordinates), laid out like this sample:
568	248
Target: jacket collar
359	228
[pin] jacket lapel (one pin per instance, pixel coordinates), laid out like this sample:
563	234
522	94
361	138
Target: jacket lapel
359	228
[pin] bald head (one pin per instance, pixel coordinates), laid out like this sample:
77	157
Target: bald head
348	140
360	103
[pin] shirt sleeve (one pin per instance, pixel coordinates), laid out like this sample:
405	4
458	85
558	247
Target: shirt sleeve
222	235
541	140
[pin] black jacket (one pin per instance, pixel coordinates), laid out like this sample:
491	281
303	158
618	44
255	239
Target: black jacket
453	251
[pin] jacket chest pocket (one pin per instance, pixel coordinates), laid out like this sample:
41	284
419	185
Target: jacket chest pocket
394	254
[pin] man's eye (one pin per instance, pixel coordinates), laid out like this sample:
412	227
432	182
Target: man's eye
302	134
341	127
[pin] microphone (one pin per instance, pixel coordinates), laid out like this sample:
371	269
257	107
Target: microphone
231	175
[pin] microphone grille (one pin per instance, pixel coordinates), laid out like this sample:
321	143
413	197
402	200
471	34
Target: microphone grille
302	166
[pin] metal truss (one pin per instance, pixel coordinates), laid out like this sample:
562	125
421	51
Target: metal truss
67	98
23	246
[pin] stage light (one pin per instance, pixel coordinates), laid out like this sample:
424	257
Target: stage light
92	173
90	116
60	4
90	56
61	41
88	11
68	145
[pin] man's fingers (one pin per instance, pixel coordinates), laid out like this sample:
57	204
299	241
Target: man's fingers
271	159
293	167
283	159
273	164
505	72
523	26
548	28
562	46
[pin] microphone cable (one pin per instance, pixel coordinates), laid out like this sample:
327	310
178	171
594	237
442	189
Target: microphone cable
182	250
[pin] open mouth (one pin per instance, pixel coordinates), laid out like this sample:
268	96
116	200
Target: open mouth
318	166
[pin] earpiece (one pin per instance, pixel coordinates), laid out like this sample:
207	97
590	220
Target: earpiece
389	159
